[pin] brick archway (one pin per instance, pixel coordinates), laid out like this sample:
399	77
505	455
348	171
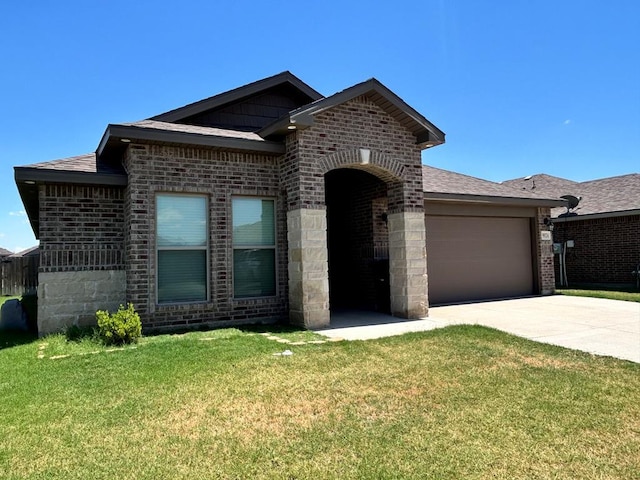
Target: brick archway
374	162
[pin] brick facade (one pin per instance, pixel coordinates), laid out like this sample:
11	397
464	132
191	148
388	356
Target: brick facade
545	276
606	250
81	254
359	134
219	175
81	228
353	168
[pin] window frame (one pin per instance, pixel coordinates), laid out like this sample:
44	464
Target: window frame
273	247
205	247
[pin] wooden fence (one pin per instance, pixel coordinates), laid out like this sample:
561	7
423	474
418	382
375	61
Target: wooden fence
19	275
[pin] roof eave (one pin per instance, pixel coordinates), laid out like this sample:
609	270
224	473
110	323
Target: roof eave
493	199
427	134
594	216
41	175
28	178
112	140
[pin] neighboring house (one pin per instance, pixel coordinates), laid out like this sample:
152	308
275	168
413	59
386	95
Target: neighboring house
4	252
604	228
19	272
269	201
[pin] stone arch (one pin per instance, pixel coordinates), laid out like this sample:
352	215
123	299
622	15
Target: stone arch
372	161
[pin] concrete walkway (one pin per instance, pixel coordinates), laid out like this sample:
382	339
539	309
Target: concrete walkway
594	325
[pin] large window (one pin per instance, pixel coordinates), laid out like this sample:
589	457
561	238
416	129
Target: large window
254	247
181	234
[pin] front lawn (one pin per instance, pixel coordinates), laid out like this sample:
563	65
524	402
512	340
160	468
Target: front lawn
460	402
611	295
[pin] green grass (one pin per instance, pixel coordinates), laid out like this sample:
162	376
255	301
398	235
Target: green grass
611	295
460	402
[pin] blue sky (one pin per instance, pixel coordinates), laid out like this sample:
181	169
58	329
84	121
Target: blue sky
519	87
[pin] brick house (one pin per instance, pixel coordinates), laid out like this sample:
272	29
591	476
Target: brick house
604	228
269	201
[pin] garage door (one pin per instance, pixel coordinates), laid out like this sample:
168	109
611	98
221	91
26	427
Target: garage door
477	258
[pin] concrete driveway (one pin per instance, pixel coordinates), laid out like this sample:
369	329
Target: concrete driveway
594	325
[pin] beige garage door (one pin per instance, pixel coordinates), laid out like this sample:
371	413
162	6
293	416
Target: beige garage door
477	258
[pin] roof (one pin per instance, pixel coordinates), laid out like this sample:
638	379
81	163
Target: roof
204	123
117	136
82	169
236	94
611	196
29	252
427	134
439	184
4	252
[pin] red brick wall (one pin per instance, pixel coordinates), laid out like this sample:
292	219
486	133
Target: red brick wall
606	250
218	175
81	228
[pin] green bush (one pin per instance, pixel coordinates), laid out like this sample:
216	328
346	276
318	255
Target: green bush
122	327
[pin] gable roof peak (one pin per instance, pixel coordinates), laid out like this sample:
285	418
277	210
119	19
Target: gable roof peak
236	94
426	133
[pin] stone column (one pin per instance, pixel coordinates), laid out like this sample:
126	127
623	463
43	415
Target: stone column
308	268
408	265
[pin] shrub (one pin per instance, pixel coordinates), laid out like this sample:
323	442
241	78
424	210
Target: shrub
122	327
75	333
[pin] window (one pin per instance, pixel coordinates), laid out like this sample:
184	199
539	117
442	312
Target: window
181	232
254	247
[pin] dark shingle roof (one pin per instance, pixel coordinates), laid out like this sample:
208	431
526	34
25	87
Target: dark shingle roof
439	181
81	163
601	196
179	127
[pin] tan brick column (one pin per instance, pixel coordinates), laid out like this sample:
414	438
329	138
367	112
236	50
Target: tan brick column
408	265
308	268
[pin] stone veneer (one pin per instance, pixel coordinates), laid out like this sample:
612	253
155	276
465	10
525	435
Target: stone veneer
408	265
308	268
72	298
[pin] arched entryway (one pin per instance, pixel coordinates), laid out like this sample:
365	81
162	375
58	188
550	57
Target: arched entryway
357	240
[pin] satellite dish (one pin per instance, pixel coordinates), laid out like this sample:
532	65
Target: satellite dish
572	201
